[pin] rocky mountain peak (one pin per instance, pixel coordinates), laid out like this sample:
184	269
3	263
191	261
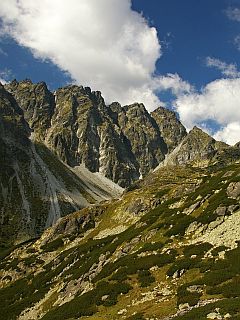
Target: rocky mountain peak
37	103
171	129
121	142
197	147
12	122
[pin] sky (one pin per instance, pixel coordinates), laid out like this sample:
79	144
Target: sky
184	55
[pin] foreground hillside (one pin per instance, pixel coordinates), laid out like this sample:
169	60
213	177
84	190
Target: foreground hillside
169	248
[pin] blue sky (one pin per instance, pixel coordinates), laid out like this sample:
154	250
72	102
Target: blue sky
181	54
193	30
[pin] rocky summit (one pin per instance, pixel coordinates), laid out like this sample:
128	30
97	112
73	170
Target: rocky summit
112	212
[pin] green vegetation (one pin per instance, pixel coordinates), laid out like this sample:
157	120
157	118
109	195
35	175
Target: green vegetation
137	316
197	249
126	260
105	294
145	278
52	246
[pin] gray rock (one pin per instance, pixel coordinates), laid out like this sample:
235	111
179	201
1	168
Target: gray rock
221	211
233	190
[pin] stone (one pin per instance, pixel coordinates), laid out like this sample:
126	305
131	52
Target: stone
233	208
183	306
122	311
195	288
233	190
214	315
221	211
192	208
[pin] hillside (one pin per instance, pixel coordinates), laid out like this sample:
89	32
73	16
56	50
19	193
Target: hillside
167	249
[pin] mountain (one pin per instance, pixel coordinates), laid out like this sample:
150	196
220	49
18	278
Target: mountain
59	150
171	129
122	143
200	149
76	245
168	249
36	187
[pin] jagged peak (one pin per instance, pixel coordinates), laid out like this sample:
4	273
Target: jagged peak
164	111
203	137
26	81
136	109
80	90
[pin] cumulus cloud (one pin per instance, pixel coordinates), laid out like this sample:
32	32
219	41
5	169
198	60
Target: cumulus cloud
230	133
218	101
228	70
103	44
172	82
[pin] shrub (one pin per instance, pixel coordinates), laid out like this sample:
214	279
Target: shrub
137	316
182	264
145	278
52	246
151	247
197	249
216	250
184	296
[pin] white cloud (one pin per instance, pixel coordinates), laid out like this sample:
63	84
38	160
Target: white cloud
172	82
103	44
228	70
230	133
218	101
233	14
109	47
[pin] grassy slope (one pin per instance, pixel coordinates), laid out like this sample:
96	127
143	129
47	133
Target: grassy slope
148	270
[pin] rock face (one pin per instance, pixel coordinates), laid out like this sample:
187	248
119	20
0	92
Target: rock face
83	132
36	188
197	147
122	143
170	127
143	135
36	101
